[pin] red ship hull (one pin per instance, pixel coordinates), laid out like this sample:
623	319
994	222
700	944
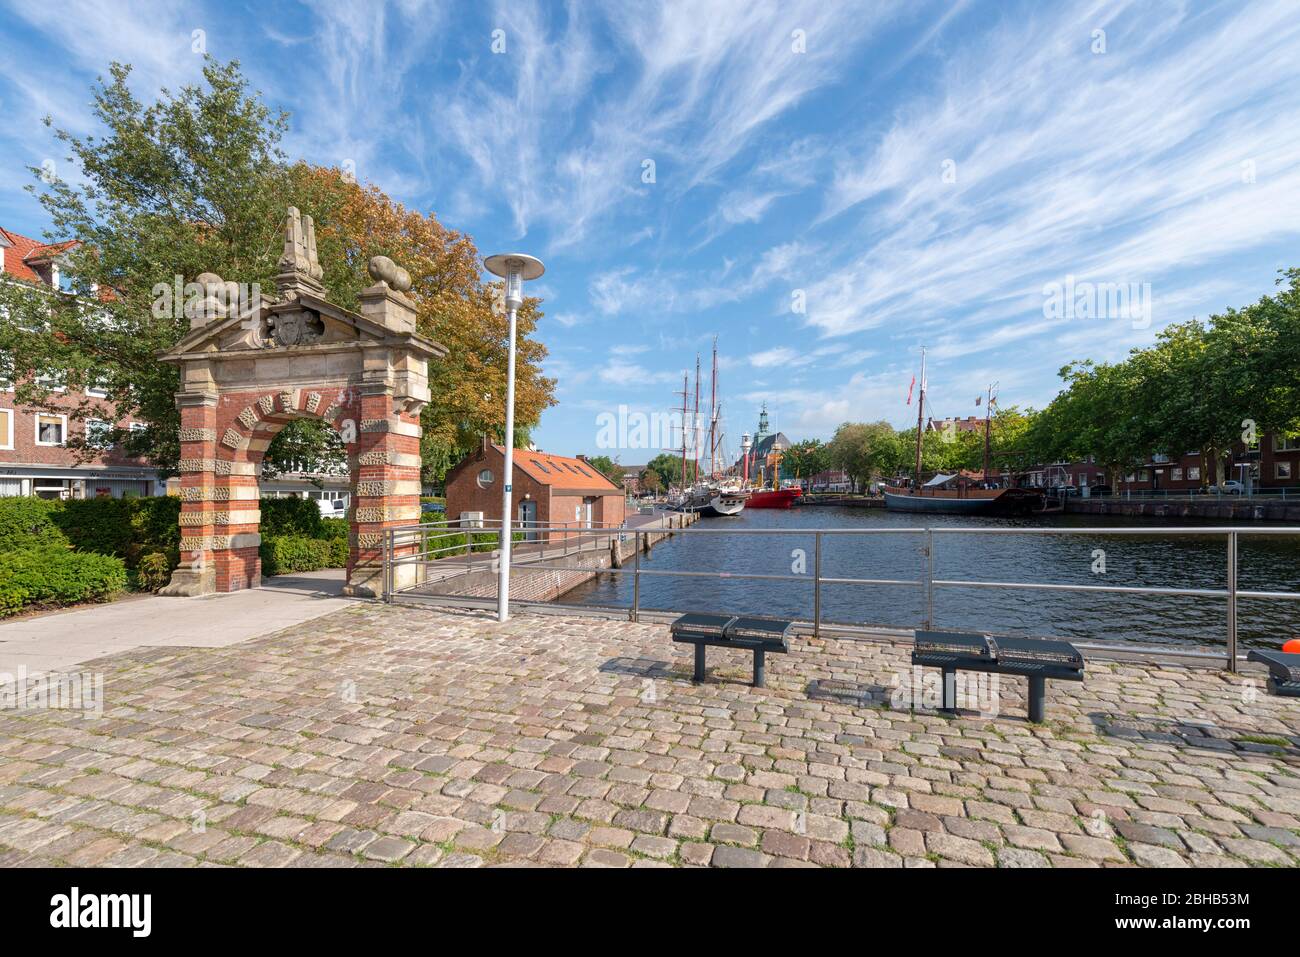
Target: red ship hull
773	498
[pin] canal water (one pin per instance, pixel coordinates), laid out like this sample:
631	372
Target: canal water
1264	564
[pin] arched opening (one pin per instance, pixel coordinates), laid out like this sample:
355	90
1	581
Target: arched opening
242	453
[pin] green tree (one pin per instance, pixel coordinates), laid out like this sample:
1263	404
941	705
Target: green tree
650	480
668	467
196	182
865	450
805	459
607	467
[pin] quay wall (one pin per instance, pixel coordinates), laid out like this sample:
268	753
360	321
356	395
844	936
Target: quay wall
1240	510
582	564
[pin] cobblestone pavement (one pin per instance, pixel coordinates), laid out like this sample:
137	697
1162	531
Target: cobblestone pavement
381	735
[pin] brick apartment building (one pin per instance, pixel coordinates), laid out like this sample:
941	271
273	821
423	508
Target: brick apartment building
632	479
1272	463
548	489
34	454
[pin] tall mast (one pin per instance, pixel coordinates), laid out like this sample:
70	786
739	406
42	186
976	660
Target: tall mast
695	434
685	392
988	413
713	415
920	408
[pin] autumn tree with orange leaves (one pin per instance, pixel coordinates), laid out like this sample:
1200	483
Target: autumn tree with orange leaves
195	182
454	306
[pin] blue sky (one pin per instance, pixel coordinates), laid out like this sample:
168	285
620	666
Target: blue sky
912	173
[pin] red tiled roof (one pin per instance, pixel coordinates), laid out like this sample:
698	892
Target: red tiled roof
560	471
26	251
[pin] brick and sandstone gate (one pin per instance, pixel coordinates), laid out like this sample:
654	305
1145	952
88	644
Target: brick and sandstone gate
248	368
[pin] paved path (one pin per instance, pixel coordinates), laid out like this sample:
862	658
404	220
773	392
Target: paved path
57	641
384	734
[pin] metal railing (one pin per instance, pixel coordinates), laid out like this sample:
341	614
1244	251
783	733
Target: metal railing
592	539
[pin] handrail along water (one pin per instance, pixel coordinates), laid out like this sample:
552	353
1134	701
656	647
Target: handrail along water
589	536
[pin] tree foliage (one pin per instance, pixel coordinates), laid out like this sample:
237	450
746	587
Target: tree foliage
196	182
1201	386
668	467
607	467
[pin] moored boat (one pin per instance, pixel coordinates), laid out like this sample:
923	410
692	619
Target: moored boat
963	500
774	498
956	494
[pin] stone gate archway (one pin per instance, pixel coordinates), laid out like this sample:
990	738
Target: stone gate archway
251	365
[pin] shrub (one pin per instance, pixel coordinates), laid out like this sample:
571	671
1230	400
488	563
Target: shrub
298	517
339	551
443	544
29	523
282	554
129	528
153	571
334	528
56	576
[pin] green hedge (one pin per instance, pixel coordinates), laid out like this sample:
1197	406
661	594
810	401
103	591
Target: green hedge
129	528
28	523
443	544
283	554
299	517
335	528
55	576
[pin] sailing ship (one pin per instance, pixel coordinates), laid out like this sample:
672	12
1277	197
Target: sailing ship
710	497
955	493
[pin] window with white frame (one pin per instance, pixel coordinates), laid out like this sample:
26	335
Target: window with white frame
54	383
1194	473
6	429
1286	443
1176	474
97	389
51	429
1282	470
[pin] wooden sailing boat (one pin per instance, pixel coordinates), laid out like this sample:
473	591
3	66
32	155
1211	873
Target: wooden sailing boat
953	493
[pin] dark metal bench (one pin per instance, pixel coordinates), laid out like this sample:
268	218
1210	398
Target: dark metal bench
1033	658
1283	671
759	635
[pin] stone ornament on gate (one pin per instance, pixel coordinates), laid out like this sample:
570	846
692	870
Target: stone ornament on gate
250	368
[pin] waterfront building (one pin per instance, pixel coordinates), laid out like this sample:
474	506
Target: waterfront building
35	456
632	479
1271	463
829	480
553	490
765	454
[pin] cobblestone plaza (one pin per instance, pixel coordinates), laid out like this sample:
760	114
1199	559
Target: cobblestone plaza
381	735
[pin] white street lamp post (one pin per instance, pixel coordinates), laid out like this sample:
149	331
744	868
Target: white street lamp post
514	268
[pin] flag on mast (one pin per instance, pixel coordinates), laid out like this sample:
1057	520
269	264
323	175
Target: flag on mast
910	386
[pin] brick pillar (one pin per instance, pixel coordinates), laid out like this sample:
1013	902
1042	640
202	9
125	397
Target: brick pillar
196	575
386	490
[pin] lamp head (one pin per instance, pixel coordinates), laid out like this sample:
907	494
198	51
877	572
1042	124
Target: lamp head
514	268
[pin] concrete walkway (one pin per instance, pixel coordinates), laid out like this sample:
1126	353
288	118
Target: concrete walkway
57	641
